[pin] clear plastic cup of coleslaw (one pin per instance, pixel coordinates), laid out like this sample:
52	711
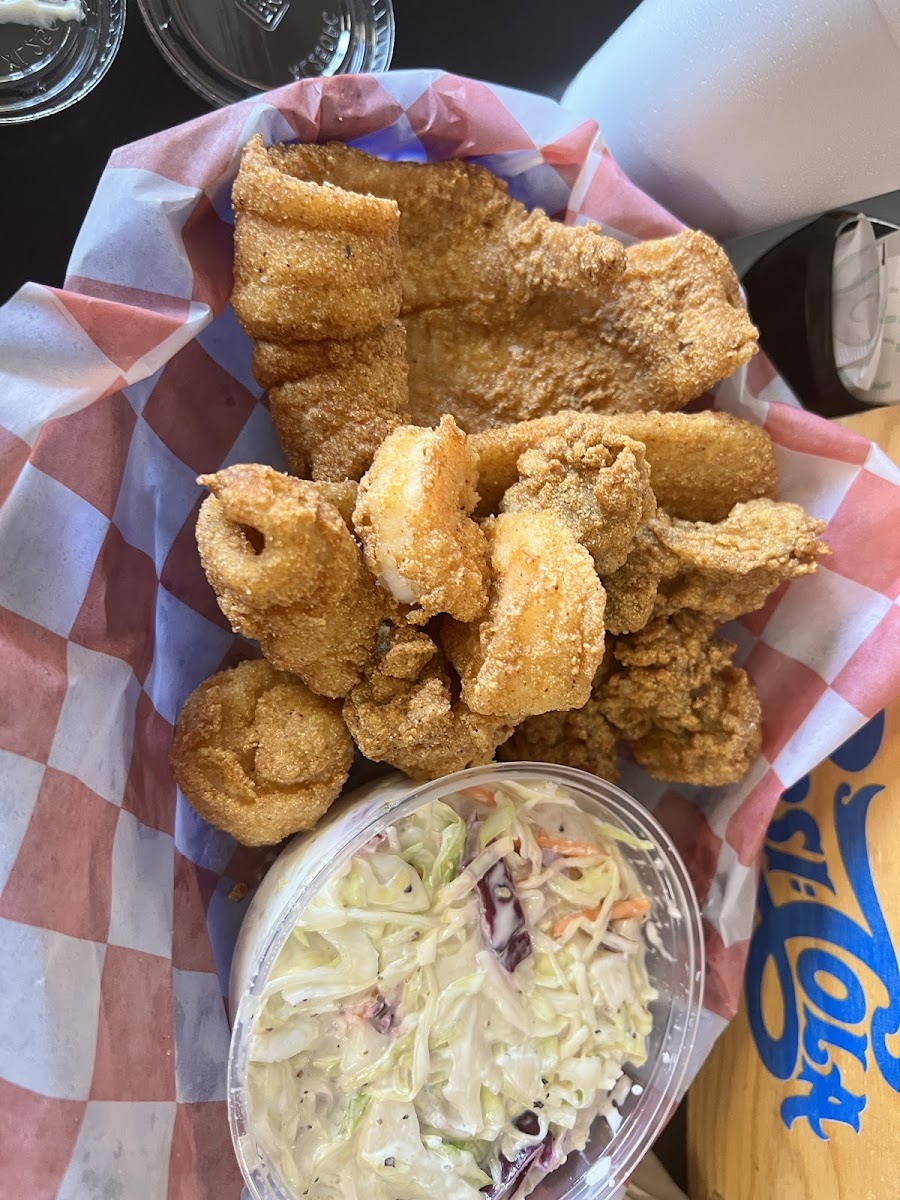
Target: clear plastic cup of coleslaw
674	962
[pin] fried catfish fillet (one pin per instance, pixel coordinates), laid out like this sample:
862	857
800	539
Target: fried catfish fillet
464	240
507	312
701	464
317	286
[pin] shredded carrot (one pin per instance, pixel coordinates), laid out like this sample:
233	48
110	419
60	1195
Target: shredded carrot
629	908
589	914
566	848
618	912
482	794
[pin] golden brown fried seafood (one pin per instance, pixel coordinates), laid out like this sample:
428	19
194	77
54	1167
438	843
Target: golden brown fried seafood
333	402
413	517
581	738
732	567
258	754
631	590
688	713
287	571
701	464
540	641
464	240
342	494
597	482
722	570
666	331
310	262
404	712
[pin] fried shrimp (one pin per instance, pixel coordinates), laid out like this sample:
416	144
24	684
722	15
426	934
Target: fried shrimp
287	571
412	515
258	754
599	484
404	711
540	641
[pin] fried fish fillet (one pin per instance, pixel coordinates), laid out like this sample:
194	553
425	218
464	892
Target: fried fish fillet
510	314
413	518
333	403
258	754
464	240
310	262
598	483
287	571
688	713
701	464
405	712
672	326
539	644
317	285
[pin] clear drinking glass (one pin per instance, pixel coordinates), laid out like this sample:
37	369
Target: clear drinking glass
228	50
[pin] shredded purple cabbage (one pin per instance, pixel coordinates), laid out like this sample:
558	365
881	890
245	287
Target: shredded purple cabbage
502	917
380	1015
512	1172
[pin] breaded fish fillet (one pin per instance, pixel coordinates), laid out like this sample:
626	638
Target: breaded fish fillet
510	315
701	464
464	240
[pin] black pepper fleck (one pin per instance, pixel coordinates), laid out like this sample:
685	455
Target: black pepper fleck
346	252
405	1117
538	1104
389	1161
407	891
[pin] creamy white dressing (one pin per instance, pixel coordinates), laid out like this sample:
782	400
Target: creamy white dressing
41	13
434	1025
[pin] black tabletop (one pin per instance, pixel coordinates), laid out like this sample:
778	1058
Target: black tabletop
50	167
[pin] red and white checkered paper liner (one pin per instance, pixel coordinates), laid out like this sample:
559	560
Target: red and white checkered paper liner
115	925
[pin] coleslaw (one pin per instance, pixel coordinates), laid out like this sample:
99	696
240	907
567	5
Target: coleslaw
456	1004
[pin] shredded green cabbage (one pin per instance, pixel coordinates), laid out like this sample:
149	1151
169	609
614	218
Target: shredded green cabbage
453	1001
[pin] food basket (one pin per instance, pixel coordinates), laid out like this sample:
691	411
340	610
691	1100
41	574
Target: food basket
119	907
